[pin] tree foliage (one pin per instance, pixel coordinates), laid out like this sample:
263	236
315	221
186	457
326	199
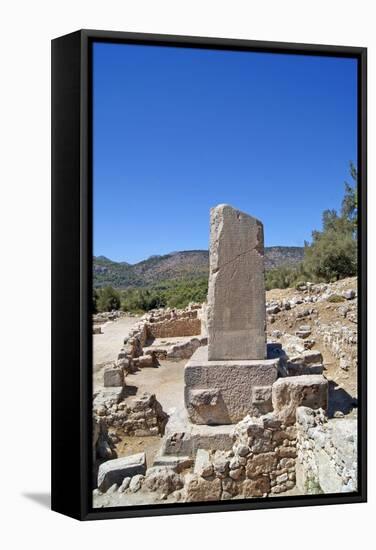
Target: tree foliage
170	293
332	254
107	299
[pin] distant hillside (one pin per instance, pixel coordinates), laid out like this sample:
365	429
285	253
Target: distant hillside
176	265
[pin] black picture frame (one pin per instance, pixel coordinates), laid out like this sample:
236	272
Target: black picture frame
72	272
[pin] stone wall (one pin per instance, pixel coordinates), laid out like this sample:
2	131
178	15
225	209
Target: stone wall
172	323
342	341
138	416
261	462
327	453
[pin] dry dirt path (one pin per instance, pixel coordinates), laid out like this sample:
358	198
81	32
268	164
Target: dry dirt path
106	346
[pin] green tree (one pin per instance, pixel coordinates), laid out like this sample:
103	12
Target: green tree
349	208
108	299
332	255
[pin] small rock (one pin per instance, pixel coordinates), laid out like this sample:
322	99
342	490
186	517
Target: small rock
112	489
243	450
349	294
125	484
136	483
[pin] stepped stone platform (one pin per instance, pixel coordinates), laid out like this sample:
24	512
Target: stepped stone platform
182	438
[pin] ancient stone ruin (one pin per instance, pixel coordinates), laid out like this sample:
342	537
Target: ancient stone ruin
232	377
253	421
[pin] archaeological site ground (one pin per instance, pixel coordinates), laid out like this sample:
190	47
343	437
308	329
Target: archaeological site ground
247	394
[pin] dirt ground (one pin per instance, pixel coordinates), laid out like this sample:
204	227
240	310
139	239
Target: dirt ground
106	346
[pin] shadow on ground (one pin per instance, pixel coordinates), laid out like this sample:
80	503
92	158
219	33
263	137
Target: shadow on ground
340	400
43	499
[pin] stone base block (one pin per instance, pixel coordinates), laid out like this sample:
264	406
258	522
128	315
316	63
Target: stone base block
224	392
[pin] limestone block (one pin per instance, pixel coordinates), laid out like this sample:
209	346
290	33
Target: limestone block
183	438
262	398
236	294
163	480
114	471
293	391
107	397
113	377
260	464
186	349
255	487
176	463
202	490
146	361
221	392
203	466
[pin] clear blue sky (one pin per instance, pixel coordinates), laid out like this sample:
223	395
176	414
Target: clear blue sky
177	131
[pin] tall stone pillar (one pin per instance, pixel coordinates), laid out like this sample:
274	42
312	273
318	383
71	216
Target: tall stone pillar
236	297
231	377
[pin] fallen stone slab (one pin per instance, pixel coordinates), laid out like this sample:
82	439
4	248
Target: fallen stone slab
116	470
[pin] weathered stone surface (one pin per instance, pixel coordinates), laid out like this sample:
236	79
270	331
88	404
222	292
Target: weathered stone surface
163	480
260	464
182	438
136	483
220	392
145	361
327	452
255	487
185	350
293	391
201	490
125	484
262	398
203	466
114	471
236	295
113	376
176	463
107	397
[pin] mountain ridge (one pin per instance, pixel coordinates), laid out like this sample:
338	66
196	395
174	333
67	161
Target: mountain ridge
176	265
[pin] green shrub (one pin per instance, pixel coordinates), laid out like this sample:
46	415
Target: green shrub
335	298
